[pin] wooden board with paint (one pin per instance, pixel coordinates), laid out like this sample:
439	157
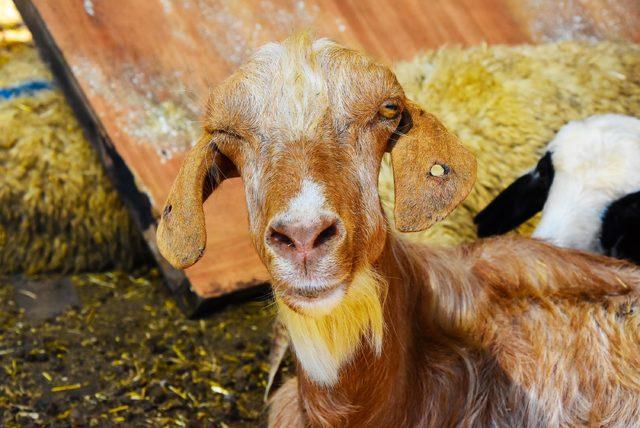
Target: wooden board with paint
138	72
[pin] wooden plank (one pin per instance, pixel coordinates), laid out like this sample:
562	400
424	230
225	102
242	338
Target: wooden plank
138	203
141	70
553	20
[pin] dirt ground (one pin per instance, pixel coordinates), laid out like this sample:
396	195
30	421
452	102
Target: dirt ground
127	356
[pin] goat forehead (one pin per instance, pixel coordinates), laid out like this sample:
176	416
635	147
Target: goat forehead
287	90
294	89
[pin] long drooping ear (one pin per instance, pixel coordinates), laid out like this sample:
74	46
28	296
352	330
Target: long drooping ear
432	171
181	235
518	202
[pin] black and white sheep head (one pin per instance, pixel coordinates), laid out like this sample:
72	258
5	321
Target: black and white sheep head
584	186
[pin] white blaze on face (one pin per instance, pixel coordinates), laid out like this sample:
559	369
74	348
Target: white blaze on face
307	205
596	161
305	208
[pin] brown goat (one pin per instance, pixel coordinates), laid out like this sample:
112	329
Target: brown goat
503	332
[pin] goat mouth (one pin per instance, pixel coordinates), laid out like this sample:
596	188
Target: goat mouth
317	298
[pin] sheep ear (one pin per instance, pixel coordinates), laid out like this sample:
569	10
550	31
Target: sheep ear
519	202
432	171
181	234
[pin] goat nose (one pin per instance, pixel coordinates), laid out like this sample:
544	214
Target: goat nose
303	237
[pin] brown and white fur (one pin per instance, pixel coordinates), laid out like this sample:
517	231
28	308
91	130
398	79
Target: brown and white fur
502	332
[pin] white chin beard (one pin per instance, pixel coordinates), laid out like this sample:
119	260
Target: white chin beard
327	329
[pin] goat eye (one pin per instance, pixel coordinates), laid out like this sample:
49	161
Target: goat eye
229	133
389	110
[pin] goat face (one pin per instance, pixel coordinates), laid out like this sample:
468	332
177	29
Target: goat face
305	124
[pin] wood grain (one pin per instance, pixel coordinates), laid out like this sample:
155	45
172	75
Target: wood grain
145	67
553	20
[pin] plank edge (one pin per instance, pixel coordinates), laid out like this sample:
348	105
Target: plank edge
136	201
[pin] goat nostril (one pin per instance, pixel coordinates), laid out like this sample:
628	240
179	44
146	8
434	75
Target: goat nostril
325	235
281	238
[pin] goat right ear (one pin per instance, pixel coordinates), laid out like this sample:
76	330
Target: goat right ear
519	202
181	235
432	171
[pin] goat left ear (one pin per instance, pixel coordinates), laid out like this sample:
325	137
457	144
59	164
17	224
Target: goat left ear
432	171
181	235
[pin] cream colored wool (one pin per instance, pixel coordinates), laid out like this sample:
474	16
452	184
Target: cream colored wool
506	103
58	210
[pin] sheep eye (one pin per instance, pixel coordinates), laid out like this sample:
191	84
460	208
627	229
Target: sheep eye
389	110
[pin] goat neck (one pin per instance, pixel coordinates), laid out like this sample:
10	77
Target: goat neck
413	329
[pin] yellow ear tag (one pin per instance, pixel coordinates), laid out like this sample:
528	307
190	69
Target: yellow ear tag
437	170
